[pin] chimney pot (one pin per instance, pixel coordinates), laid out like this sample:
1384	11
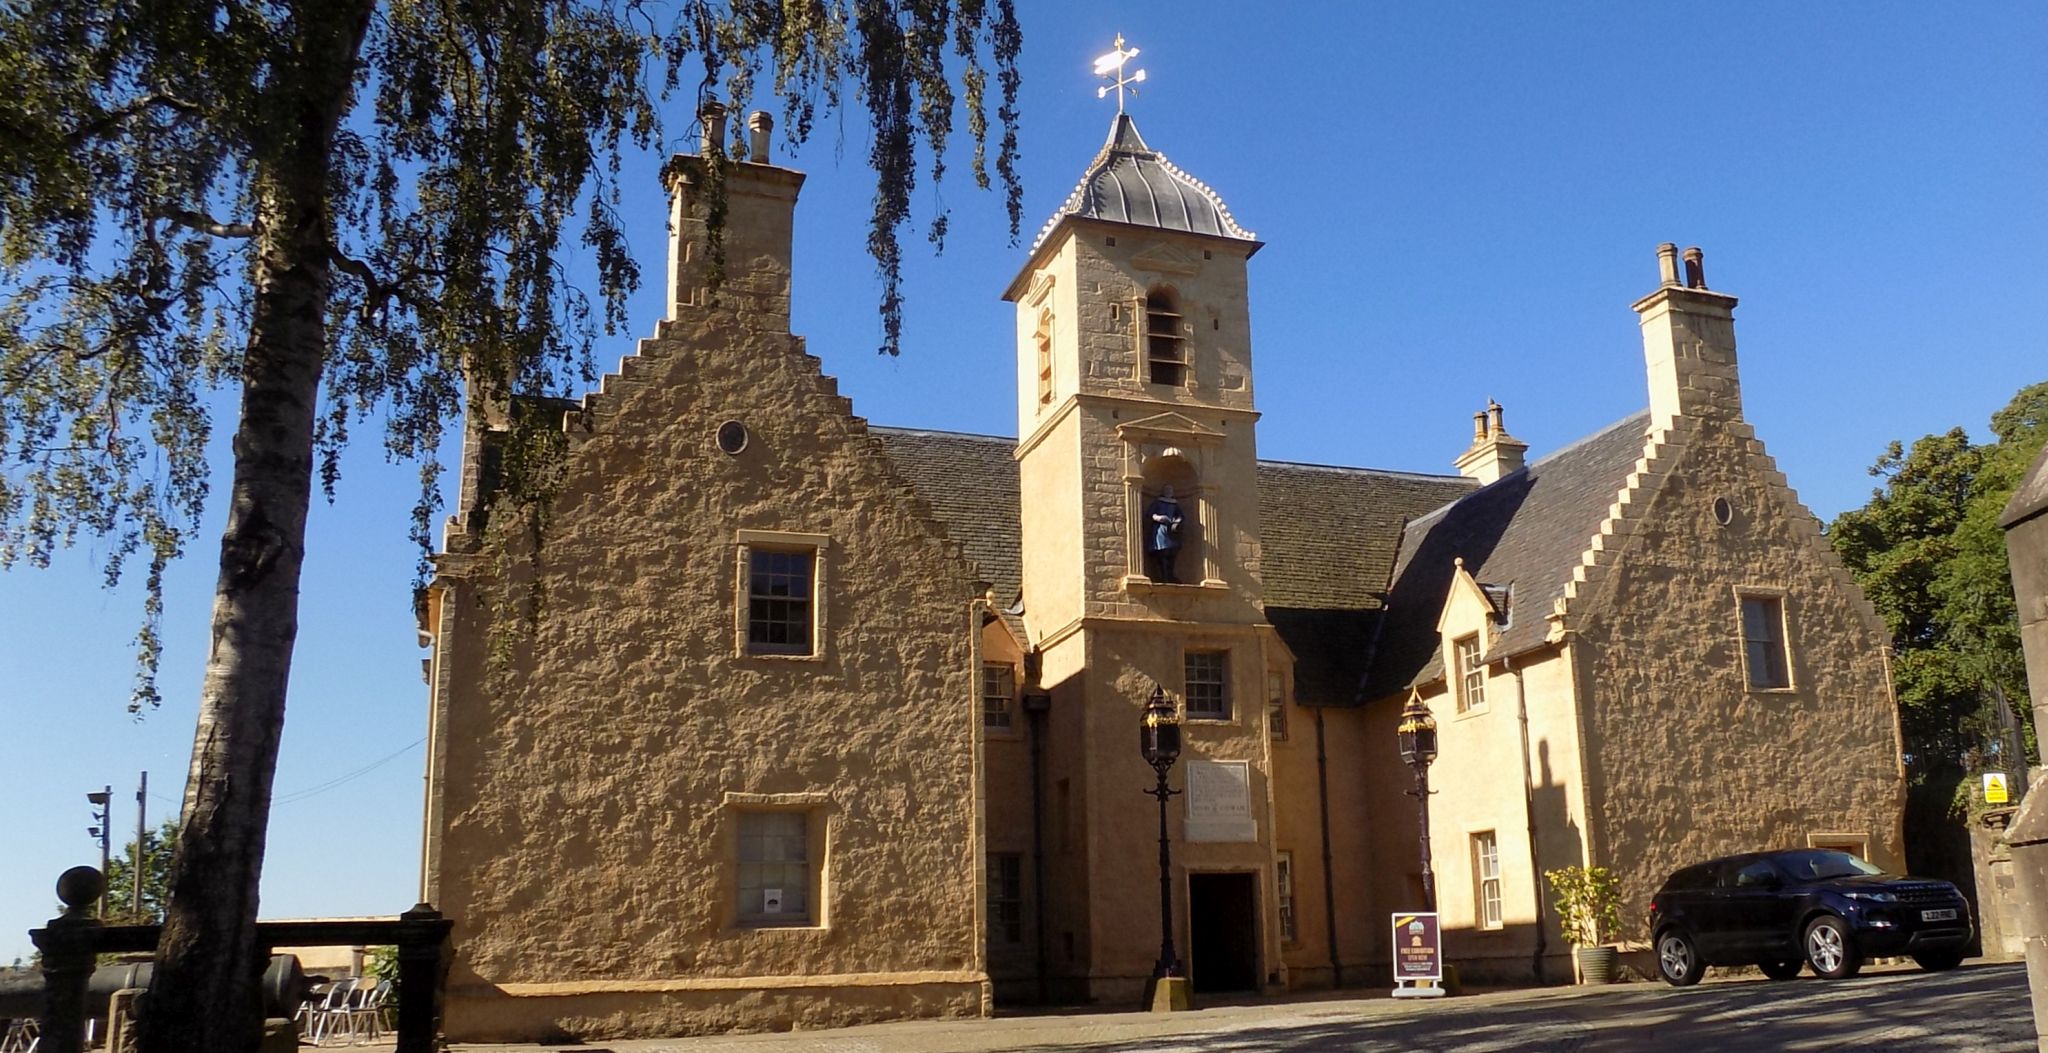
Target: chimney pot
1667	264
1494	427
1478	428
1695	268
712	113
759	124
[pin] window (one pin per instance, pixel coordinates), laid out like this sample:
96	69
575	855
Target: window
1283	893
1857	845
779	597
1471	674
775	868
998	688
1276	704
1757	874
1208	678
1043	338
1166	359
1763	643
1005	897
1486	865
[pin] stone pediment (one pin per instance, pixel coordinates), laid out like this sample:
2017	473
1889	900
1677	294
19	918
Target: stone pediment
1165	259
1041	285
1170	426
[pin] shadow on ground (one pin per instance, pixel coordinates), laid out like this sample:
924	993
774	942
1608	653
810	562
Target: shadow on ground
1984	1008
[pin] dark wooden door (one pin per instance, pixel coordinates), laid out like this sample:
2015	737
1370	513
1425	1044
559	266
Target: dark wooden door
1223	930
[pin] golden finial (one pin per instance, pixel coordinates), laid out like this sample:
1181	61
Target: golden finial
1112	65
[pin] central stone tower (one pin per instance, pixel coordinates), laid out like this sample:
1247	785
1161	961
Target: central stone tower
1137	461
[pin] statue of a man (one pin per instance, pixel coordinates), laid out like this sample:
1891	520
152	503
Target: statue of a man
1162	536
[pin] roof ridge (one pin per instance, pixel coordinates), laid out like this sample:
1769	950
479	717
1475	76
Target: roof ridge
897	430
1570	447
1317	466
1583	440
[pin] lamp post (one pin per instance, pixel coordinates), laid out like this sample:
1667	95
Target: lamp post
1159	741
1417	733
102	828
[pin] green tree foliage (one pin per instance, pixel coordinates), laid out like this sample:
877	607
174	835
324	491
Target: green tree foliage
155	856
338	209
1588	901
1928	552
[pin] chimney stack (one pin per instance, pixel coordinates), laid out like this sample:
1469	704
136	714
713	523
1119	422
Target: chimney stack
1667	264
759	205
1494	452
759	124
1689	345
712	140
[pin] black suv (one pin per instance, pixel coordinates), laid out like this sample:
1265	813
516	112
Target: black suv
1811	906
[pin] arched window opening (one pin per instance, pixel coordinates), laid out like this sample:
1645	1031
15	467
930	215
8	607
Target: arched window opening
1169	529
1166	353
1043	339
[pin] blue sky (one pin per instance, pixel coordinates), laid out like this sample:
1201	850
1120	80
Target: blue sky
1459	201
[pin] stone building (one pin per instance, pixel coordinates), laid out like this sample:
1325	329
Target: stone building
790	721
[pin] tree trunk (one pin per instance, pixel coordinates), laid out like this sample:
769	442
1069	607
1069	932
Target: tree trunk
203	998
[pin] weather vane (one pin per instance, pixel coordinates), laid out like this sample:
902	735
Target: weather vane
1112	65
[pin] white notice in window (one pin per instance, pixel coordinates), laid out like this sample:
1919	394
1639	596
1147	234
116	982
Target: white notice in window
771	901
1220	801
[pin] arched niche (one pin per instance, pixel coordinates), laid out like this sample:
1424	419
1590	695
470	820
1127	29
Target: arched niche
1168	481
1172	450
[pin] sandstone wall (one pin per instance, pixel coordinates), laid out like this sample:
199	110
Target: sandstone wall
1686	761
1122	823
584	836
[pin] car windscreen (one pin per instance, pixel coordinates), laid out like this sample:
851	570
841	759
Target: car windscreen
1819	864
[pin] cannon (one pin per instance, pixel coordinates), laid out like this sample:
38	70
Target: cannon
21	994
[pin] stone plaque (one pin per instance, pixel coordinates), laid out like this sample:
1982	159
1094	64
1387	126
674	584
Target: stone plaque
1219	795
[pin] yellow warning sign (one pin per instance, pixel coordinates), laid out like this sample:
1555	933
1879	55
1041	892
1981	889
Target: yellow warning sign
1994	788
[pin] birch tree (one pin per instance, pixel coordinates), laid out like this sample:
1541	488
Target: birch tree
338	210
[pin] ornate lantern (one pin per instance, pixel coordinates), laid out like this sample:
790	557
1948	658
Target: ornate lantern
1159	734
1417	732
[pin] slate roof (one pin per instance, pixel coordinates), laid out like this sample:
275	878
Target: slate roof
1520	538
1329	536
1129	182
971	483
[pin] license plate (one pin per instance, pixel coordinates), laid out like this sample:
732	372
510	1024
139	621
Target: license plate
1937	915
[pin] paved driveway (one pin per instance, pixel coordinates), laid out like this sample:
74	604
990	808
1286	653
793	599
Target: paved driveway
1977	1008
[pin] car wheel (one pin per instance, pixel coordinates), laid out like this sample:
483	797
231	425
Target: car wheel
1678	961
1831	950
1782	970
1938	961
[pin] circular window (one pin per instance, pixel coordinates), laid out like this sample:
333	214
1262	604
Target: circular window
1724	513
732	436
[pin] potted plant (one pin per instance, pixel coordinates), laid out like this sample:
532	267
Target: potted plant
1588	904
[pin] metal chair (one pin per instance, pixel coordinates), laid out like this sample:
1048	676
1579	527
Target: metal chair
333	1012
21	1036
366	1018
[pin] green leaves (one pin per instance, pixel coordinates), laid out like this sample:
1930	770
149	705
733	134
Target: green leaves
155	857
1928	552
1588	901
471	153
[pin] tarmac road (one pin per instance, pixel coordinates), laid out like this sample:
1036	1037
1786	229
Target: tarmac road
1975	1008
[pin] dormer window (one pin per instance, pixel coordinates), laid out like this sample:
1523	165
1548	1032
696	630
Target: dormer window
1470	673
1166	353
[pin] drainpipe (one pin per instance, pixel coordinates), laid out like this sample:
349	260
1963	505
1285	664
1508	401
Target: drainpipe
1529	806
1329	879
1036	704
